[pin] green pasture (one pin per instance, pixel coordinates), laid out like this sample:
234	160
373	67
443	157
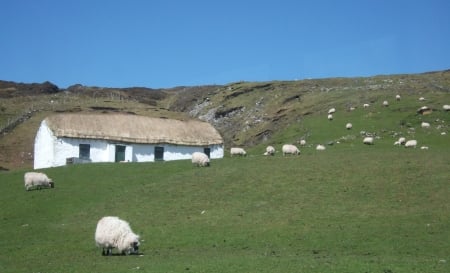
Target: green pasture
387	124
351	208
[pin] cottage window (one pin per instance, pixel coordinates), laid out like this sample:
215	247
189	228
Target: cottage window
159	153
85	151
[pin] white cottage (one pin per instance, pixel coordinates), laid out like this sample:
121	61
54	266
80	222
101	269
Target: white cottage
64	138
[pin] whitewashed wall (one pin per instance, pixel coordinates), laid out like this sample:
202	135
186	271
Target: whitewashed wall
216	151
43	147
175	152
52	152
143	153
69	147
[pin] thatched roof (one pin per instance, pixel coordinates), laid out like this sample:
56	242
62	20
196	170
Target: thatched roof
134	129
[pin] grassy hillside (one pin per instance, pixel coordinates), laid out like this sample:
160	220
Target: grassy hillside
387	124
351	208
248	114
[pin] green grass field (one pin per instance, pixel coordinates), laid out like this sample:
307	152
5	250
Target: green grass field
351	208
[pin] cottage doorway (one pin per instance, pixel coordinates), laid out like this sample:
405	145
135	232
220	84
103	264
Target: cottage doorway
120	153
207	151
159	153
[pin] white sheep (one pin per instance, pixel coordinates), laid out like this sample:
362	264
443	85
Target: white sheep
113	232
200	159
365	105
425	125
332	110
320	147
330	117
411	143
423	109
397	97
270	150
290	149
421	99
38	180
424	148
446	107
348	126
385	103
368	140
302	142
237	151
402	140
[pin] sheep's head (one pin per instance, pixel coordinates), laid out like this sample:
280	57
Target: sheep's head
133	244
51	183
135	247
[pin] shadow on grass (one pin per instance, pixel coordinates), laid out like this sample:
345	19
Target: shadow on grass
123	255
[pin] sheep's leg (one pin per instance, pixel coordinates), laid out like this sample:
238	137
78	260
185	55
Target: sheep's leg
106	251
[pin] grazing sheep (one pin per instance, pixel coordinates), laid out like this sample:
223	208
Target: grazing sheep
290	149
421	98
397	97
200	159
368	140
270	150
402	140
39	180
411	143
237	151
385	103
424	148
113	232
348	126
425	125
446	107
332	110
330	117
423	109
302	142
320	147
365	105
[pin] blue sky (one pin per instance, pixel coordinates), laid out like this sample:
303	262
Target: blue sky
168	43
